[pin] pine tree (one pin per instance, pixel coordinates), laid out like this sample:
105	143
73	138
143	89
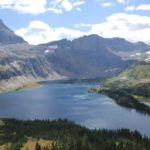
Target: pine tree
37	146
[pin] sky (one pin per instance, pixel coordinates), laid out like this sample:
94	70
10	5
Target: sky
42	21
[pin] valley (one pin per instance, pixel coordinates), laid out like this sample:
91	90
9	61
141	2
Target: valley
39	84
72	101
22	63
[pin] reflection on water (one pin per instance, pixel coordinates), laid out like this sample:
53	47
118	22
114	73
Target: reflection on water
71	101
147	103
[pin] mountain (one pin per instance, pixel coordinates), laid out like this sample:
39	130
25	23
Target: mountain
7	36
86	57
134	81
91	56
19	63
121	45
135	75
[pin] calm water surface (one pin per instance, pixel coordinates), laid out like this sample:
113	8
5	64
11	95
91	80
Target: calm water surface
71	101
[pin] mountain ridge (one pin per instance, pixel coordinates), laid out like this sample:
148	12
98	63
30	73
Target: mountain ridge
136	74
85	57
7	36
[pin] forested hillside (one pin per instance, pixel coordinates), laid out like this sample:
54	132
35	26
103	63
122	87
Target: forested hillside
65	135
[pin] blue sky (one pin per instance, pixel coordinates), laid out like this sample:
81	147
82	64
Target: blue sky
41	21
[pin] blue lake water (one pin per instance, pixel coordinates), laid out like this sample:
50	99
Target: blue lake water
71	101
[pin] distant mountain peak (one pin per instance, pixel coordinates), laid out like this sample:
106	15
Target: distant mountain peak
91	36
7	36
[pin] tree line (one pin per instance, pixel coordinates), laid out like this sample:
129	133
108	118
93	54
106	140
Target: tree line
66	135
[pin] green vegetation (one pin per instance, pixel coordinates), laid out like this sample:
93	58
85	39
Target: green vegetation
65	135
130	87
139	90
125	99
138	73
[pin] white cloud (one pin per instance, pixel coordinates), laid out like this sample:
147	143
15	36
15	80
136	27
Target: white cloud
106	4
39	32
65	5
78	3
131	27
41	6
121	1
68	33
54	10
24	6
78	9
143	7
82	25
130	8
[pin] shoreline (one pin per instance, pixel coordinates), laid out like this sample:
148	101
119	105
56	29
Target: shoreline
26	85
124	99
29	86
38	83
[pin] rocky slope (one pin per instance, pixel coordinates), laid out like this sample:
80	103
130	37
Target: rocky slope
7	36
86	57
19	64
136	74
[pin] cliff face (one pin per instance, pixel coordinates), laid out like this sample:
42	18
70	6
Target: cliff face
7	36
86	57
20	65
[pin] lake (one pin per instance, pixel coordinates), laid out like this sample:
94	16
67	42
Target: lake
71	101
